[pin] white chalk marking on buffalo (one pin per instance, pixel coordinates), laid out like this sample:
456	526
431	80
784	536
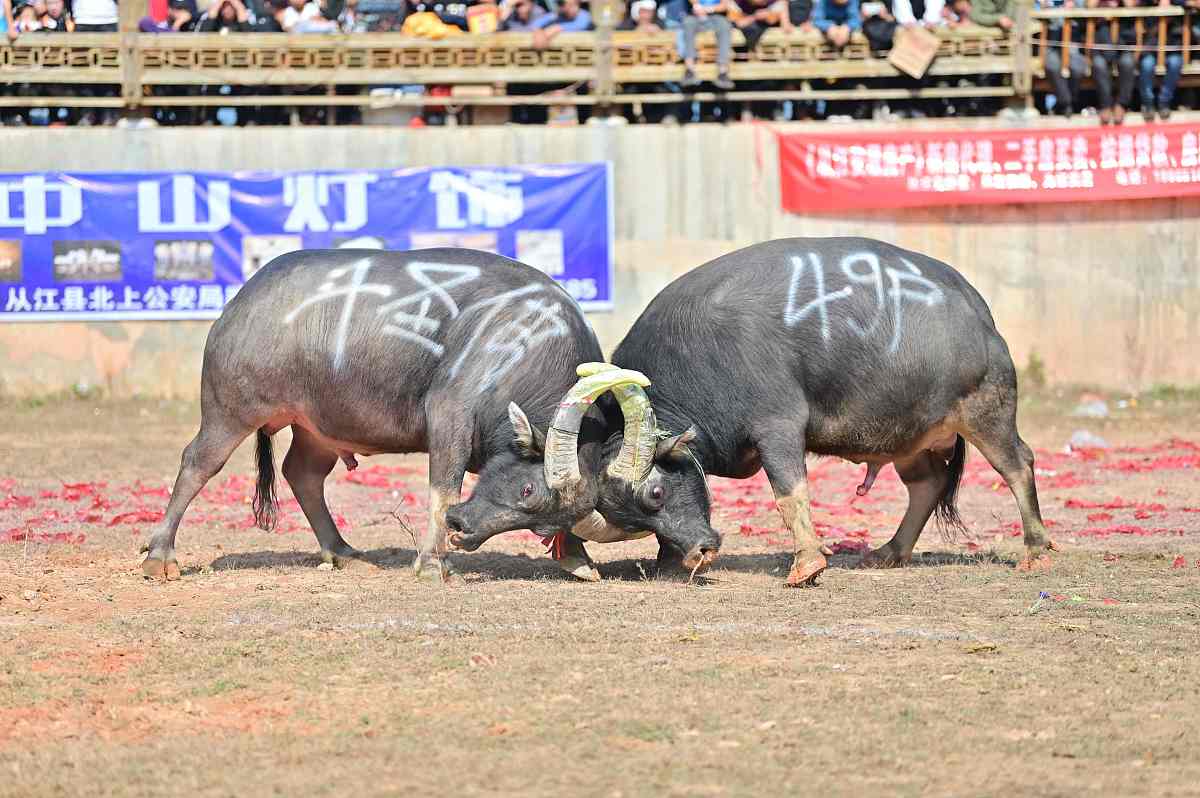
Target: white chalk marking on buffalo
793	316
328	290
873	276
417	327
539	320
903	285
899	293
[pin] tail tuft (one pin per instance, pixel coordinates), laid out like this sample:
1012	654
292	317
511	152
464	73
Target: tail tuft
949	522
266	505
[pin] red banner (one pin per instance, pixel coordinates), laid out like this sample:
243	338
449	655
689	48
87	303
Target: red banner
845	170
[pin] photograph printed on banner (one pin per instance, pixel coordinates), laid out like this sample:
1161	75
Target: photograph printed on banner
541	249
183	260
10	261
87	261
484	241
258	251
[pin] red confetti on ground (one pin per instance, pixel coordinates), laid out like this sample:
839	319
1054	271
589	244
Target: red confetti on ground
850	547
1180	562
1109	601
1093	517
137	517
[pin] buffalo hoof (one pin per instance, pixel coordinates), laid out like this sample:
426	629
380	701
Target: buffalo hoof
435	570
348	558
1037	559
579	568
161	570
805	571
883	557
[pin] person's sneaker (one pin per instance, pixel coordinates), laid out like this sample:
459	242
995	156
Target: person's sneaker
690	81
1164	112
723	82
1106	116
1118	115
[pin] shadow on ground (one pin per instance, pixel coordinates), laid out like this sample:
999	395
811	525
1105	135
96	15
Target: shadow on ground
500	565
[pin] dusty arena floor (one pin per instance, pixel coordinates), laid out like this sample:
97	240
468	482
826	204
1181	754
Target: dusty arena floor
260	674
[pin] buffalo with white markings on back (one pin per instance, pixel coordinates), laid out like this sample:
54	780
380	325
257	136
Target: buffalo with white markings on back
838	346
463	354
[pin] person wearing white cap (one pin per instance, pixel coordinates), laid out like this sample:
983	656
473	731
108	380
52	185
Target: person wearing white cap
643	17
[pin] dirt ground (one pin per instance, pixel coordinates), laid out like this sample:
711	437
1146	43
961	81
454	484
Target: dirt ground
258	673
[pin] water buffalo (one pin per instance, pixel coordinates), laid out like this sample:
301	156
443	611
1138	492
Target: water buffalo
463	354
837	346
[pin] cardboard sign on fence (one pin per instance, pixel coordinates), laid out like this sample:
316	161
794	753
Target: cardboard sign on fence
913	51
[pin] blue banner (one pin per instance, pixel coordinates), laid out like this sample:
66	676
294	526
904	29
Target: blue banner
157	245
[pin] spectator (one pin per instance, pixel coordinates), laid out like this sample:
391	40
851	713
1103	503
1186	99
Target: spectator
708	15
1112	110
643	18
837	20
1149	63
271	20
94	16
993	13
571	18
799	16
878	24
927	13
754	17
521	16
1066	87
56	19
224	16
179	19
349	20
6	22
304	16
25	18
957	13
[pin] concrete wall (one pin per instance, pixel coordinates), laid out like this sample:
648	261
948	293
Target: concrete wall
1107	294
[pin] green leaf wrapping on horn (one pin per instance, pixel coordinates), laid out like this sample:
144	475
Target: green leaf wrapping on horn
562	456
636	458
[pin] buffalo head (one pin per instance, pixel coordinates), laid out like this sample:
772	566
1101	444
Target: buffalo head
537	483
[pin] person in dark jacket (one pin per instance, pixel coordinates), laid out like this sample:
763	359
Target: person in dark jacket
1066	87
225	16
1111	36
1149	63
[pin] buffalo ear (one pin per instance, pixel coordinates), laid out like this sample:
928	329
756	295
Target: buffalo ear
675	447
527	439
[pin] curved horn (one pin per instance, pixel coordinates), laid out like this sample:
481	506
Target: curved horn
636	458
562	456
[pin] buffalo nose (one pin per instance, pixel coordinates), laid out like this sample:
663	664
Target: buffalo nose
454	522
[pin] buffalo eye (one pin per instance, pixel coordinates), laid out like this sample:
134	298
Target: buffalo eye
527	491
654	498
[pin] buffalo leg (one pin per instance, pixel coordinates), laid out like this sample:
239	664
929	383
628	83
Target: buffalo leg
305	467
207	454
991	421
670	557
1013	460
447	465
574	559
925	476
789	480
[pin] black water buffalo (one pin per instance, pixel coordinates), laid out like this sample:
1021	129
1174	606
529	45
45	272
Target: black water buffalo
837	346
466	355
